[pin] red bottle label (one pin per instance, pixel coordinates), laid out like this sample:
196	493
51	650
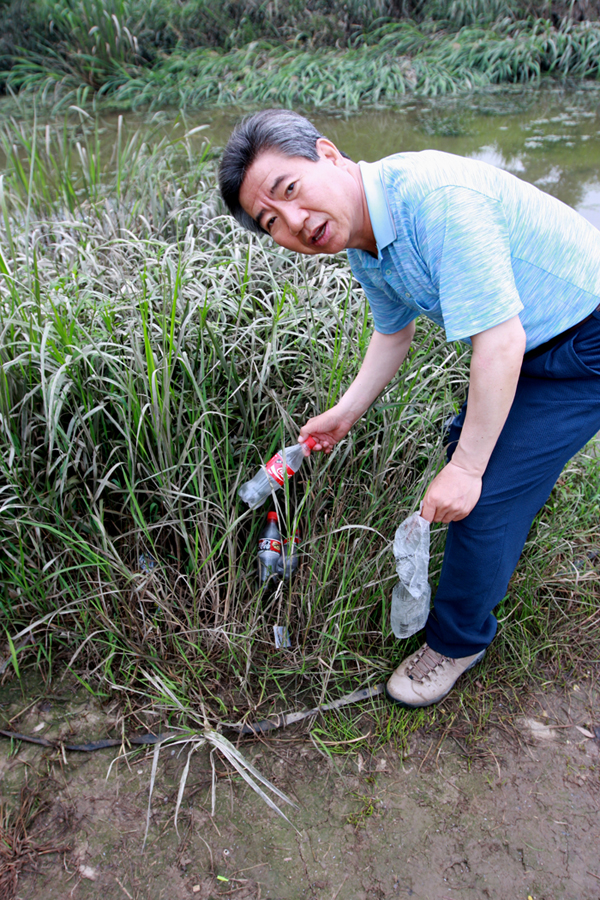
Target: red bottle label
275	468
269	544
295	540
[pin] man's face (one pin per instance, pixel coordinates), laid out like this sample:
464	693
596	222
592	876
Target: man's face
306	206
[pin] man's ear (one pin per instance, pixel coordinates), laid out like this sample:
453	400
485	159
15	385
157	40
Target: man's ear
327	150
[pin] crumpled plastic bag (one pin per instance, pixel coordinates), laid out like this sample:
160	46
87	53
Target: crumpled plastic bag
412	595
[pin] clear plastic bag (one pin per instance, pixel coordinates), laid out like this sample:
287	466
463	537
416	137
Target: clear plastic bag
412	595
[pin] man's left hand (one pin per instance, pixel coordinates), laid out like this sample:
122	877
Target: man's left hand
495	367
451	495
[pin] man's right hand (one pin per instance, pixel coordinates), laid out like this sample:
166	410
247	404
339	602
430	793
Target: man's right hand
326	429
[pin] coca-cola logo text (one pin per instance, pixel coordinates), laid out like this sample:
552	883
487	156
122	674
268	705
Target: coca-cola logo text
274	469
269	544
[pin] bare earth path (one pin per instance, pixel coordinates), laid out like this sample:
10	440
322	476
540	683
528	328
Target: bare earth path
519	819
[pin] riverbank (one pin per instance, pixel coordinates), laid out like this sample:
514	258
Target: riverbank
86	50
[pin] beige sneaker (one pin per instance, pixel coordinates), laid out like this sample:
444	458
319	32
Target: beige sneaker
427	677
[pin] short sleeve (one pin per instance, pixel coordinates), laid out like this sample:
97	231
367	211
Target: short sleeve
464	240
389	313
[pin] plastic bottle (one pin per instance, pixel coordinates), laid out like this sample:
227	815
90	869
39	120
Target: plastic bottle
288	562
271	476
269	550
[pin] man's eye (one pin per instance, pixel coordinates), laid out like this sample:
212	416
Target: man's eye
271	222
290	187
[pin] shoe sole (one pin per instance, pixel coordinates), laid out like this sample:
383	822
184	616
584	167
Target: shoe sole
404	705
438	699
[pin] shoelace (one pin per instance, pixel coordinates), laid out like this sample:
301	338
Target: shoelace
426	663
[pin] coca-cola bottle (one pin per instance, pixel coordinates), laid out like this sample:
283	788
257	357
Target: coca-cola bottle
288	561
269	551
271	476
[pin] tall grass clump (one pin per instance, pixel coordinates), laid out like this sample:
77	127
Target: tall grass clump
151	355
404	60
342	56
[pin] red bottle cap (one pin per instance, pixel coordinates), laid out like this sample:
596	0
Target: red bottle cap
309	442
272	516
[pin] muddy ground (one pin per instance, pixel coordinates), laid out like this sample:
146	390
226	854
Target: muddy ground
517	818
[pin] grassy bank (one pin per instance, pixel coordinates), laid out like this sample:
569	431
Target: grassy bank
320	55
151	355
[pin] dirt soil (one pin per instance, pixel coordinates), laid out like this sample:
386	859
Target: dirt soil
516	818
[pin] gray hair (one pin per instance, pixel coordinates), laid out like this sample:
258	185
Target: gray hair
271	129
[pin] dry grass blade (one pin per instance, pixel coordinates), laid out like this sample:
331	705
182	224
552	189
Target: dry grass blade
182	782
249	773
155	755
213	783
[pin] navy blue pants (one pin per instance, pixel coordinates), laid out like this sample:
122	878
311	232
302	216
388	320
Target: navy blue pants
556	411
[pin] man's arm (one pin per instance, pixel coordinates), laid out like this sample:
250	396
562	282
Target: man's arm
495	367
385	354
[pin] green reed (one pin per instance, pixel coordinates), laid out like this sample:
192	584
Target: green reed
133	55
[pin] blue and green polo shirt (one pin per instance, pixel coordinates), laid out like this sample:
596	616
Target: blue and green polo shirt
471	246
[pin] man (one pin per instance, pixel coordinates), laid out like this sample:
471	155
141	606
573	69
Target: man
492	260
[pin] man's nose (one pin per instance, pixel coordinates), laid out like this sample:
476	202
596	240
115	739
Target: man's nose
296	217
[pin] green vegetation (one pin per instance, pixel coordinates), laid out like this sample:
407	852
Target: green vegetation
332	55
152	355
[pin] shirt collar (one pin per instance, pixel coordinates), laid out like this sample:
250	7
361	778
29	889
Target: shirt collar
380	214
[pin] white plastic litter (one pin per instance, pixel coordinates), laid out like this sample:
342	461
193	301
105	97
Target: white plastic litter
282	637
412	595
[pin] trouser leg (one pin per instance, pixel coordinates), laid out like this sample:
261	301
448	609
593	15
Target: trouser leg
555	412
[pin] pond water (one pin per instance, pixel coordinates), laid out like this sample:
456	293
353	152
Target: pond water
548	137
